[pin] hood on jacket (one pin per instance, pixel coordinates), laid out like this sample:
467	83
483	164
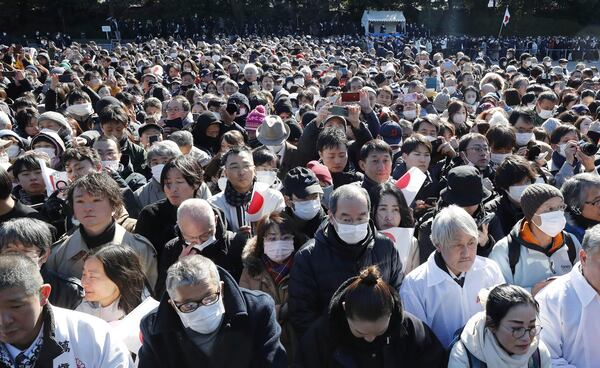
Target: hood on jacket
482	343
52	137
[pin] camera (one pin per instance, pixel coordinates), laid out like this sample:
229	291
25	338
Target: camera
533	151
588	149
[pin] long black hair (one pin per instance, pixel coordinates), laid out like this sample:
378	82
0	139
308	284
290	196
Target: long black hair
376	193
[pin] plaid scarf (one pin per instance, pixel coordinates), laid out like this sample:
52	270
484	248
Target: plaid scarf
278	271
236	199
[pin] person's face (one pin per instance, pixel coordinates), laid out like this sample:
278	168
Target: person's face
478	152
153	110
20	314
384	98
114	129
274	233
590	262
187	80
460	254
32	181
32	129
194	293
159	160
213	130
94	212
591	207
335	158
76	169
240	170
229	89
377	166
523	126
368	330
31	251
267	84
427	129
352	211
544	105
571	136
519	316
98	287
584	127
108	150
388	212
49	124
175	110
177	188
355	86
551	205
250	75
468	80
194	231
420	157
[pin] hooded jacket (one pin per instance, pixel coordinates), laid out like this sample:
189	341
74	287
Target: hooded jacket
482	344
407	342
325	262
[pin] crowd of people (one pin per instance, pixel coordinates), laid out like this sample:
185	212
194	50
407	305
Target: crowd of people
291	201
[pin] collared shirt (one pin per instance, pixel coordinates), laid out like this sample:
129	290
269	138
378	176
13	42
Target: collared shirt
28	356
569	315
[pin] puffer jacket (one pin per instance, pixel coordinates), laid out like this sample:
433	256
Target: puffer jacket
325	262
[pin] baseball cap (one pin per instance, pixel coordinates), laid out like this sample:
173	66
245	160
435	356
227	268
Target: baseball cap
391	133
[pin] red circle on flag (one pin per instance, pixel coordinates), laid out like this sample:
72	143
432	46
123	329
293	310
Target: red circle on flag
256	203
403	181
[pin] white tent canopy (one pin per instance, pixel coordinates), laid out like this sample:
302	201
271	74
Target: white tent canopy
386	19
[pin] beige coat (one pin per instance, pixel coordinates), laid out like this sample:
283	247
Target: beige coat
68	257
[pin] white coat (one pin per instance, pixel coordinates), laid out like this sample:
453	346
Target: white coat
435	298
570	319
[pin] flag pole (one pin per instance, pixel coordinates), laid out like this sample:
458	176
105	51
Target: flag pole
501	25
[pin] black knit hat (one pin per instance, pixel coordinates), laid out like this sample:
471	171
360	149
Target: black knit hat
535	195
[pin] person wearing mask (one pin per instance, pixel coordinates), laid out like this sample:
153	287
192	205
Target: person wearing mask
346	244
441	148
181	179
443	291
33	238
95	198
302	194
158	155
366	326
203	315
544	107
266	163
568	159
110	155
375	161
582	194
502	140
522	122
506	334
49	143
44	334
569	309
241	183
537	249
114	283
201	229
390	211
457	116
268	259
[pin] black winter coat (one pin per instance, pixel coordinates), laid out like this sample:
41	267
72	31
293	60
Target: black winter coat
324	263
156	223
247	337
407	342
506	213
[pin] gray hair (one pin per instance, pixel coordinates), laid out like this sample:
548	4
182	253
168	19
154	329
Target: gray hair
182	138
248	67
164	148
450	222
575	189
20	272
191	270
348	191
197	209
29	232
591	239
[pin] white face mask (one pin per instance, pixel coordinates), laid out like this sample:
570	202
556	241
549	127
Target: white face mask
430	138
222	183
307	210
451	89
275	149
209	241
112	165
545	114
267	177
497	158
459	118
205	319
470	100
552	223
515	192
156	171
279	250
524	138
561	149
422	62
352	234
410	114
81	110
13	151
51	152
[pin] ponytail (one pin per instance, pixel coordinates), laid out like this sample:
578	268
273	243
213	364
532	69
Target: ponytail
368	297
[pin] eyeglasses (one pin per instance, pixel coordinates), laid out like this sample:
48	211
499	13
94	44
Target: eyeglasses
518	333
479	149
562	207
208	300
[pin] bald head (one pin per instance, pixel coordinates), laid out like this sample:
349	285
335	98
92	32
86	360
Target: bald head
350	195
196	209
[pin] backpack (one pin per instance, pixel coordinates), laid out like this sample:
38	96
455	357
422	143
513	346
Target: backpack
534	361
514	251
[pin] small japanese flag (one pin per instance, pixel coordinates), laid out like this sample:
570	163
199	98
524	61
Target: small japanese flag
261	203
402	237
410	184
506	17
53	179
